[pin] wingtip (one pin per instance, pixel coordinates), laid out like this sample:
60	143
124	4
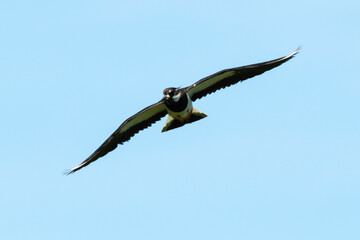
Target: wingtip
68	172
297	50
291	55
71	171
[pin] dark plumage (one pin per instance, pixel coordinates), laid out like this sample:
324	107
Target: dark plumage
178	104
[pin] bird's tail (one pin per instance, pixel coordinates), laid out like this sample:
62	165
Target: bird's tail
172	123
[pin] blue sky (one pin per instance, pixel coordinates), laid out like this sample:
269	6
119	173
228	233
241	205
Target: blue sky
276	158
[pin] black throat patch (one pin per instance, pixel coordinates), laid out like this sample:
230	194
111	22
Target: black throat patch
180	105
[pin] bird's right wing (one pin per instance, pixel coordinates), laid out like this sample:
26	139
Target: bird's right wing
129	128
228	77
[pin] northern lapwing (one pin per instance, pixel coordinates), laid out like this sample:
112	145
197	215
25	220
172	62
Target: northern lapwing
178	104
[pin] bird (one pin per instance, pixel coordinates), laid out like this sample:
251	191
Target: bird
177	103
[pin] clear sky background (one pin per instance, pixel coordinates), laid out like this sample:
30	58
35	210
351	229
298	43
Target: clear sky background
278	156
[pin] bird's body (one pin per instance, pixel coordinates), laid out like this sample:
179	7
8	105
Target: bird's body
180	109
178	104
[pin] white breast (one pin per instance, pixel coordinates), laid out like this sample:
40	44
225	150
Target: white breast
184	114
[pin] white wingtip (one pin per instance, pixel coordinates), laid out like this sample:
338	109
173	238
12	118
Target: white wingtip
72	170
297	50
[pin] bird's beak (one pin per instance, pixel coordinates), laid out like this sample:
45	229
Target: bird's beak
167	96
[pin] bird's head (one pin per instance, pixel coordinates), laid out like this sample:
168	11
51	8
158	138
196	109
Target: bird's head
172	94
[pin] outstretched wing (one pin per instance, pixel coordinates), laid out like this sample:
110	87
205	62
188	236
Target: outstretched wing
228	77
129	128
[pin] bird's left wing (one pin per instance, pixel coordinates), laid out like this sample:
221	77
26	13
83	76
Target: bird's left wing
127	129
228	77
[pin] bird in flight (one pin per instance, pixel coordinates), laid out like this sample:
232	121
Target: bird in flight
177	103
